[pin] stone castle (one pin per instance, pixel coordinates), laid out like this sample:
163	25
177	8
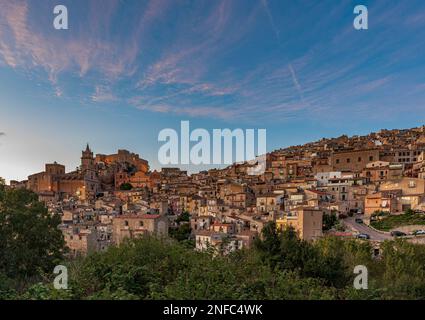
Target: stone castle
95	174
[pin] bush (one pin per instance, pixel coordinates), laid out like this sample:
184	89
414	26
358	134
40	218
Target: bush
126	186
150	268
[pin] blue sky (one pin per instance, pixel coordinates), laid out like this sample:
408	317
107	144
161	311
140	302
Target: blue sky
127	69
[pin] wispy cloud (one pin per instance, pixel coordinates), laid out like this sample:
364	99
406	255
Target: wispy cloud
24	45
55	55
270	16
58	92
296	82
103	94
192	111
215	59
185	60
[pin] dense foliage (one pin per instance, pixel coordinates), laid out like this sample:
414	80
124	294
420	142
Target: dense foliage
126	186
151	268
30	242
279	266
182	232
329	221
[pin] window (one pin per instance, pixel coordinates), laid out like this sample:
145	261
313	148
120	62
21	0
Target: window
348	160
141	223
126	223
359	159
412	184
371	158
337	161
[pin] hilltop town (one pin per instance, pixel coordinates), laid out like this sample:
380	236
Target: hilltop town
339	186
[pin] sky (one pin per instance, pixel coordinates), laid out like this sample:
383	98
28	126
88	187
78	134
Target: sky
125	70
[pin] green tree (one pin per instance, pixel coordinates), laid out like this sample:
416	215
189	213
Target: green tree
269	244
181	233
329	221
150	268
126	186
7	285
403	264
30	242
409	212
183	217
287	252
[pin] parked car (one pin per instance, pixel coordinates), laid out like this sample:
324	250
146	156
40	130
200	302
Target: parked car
363	236
358	220
398	234
418	232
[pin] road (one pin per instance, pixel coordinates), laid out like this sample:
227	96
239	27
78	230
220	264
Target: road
362	228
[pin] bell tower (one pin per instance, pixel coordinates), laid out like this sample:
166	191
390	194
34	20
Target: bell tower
87	160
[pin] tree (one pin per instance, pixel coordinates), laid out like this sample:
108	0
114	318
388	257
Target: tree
329	221
30	242
409	212
182	232
404	270
185	217
269	244
285	251
126	186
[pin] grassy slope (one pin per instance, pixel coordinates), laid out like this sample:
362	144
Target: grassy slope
391	222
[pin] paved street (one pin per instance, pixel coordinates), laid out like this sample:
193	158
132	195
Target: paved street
362	228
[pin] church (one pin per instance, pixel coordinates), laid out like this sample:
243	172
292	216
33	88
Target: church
55	184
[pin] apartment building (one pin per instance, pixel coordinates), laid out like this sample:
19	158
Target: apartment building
307	221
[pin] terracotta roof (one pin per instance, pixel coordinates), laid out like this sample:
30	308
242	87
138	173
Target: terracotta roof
317	192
